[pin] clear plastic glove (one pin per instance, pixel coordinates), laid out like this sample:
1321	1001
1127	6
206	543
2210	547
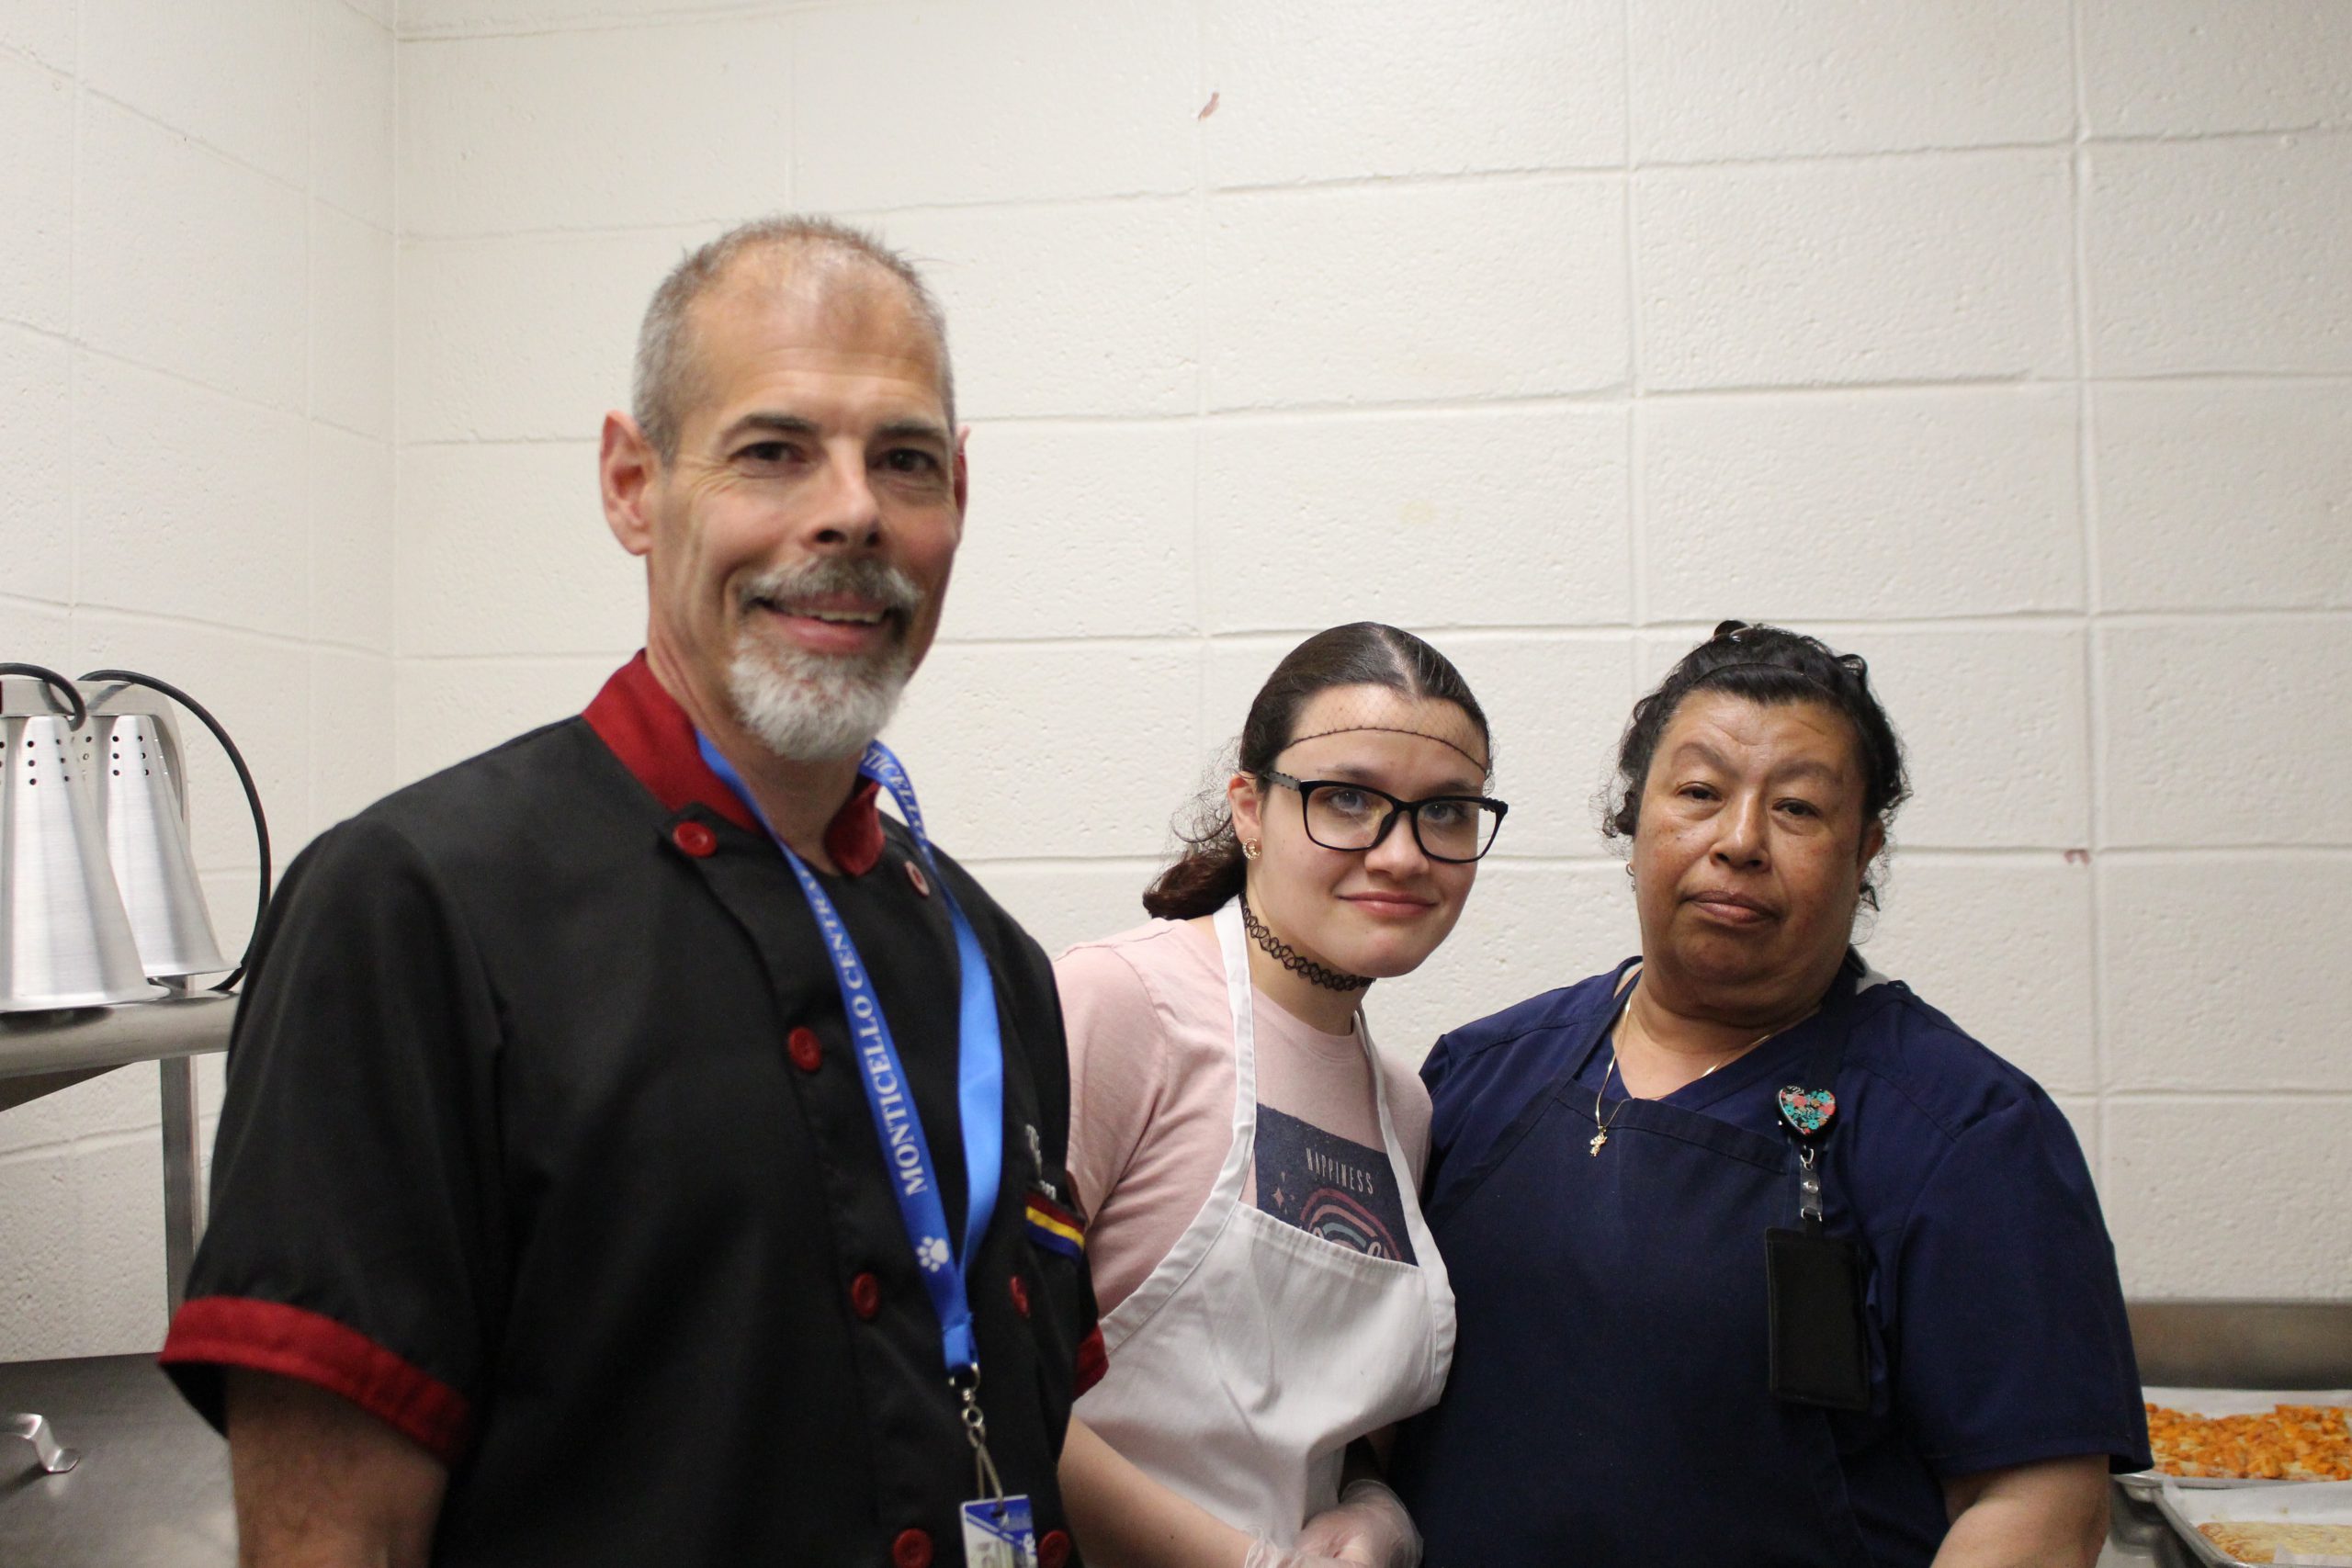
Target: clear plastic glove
1369	1526
1265	1553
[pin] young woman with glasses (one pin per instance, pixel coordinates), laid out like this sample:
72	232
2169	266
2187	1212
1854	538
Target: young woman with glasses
1270	1293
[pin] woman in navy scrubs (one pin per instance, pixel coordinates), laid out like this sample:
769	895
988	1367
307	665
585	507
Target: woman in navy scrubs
1925	1361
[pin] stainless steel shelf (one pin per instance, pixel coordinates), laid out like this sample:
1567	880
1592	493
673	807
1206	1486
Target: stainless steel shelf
42	1052
88	1039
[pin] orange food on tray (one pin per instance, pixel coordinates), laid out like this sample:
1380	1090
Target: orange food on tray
2258	1543
2292	1443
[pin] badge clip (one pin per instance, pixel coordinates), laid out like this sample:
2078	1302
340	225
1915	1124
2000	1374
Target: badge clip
1808	1113
998	1532
985	1480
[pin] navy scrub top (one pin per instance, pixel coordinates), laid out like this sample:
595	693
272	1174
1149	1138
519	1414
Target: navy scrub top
1996	1320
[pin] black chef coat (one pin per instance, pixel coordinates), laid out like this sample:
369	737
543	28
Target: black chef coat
544	1142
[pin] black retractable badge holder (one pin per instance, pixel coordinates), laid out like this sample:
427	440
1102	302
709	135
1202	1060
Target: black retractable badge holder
1820	1355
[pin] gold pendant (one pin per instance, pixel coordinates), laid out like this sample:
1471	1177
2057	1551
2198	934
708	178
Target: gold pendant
1597	1139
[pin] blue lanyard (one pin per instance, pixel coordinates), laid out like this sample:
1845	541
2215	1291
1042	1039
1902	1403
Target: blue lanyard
980	1070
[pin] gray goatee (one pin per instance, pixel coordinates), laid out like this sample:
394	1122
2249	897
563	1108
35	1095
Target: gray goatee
814	708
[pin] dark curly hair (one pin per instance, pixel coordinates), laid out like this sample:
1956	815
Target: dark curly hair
1210	870
1767	665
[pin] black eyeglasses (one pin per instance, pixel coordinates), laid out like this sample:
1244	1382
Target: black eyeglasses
1456	828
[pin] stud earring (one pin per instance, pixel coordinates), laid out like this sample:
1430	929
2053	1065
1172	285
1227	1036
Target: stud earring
1249	850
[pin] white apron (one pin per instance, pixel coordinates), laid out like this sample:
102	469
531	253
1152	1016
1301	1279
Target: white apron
1241	1367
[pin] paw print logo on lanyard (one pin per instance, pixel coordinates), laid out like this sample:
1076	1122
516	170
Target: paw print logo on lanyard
931	1254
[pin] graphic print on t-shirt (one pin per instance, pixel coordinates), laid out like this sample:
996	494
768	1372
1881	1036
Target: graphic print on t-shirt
1329	1185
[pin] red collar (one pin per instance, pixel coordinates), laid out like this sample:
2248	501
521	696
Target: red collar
652	736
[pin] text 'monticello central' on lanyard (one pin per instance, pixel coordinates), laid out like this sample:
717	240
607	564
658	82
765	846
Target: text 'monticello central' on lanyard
890	1094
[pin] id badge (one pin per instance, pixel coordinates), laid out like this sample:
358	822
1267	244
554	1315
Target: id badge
998	1533
1819	1353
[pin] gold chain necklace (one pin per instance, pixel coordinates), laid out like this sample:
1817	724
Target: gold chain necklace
1600	1135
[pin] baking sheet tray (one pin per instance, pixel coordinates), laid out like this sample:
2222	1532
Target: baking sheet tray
2306	1502
2227	1402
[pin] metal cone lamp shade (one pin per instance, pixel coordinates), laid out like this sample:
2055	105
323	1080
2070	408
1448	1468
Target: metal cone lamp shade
138	795
64	939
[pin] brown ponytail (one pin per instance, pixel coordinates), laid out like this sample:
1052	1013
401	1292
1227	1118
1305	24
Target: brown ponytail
1202	880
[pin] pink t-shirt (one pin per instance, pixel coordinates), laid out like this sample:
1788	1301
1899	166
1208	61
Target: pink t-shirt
1151	1077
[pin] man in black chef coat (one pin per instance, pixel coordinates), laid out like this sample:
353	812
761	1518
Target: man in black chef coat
565	1211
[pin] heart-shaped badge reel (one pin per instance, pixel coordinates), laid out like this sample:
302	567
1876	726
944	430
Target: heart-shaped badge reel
1807	1111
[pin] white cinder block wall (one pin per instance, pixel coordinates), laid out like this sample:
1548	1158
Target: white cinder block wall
2009	344
196	251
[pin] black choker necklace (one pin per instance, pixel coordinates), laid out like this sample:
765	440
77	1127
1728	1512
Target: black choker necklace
1306	969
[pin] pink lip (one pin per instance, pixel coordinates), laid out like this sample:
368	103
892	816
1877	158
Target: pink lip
1390	905
799	623
838	603
1732	908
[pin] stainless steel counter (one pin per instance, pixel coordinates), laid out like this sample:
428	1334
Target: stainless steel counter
2138	1537
153	1482
152	1490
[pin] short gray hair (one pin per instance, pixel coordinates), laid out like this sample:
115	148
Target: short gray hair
665	357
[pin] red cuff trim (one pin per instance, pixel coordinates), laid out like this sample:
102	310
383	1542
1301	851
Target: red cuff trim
270	1336
653	739
1092	1361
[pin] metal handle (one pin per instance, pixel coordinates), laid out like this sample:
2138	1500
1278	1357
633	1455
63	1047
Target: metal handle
35	1430
56	683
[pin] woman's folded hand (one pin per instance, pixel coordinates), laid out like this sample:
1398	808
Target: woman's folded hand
1369	1526
1265	1553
